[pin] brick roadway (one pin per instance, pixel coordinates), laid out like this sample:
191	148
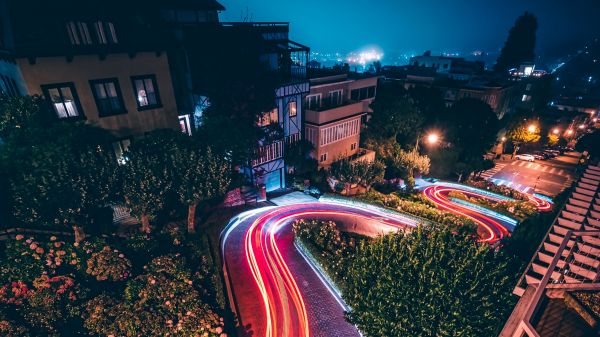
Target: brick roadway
325	315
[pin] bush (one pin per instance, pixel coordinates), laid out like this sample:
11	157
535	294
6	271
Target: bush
507	191
109	264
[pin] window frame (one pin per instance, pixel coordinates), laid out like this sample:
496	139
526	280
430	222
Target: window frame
46	91
158	103
340	99
115	81
289	108
317	101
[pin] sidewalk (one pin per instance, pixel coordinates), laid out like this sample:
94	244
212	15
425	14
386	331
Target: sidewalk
293	198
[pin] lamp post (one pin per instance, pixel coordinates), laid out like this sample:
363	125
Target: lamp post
432	138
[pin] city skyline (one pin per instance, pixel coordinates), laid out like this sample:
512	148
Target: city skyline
460	26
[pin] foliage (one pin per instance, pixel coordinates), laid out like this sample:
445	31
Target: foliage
332	248
520	44
429	282
520	133
161	302
394	114
410	162
589	142
421	208
21	113
26	259
147	178
504	190
297	155
552	139
361	173
516	208
109	264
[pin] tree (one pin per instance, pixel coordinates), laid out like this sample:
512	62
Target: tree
410	163
201	175
65	189
394	114
297	155
240	87
523	132
472	126
433	281
147	176
361	173
21	113
552	139
520	44
591	143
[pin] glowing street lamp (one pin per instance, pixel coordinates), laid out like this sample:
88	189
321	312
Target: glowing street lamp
433	138
581	126
503	139
531	128
569	132
555	131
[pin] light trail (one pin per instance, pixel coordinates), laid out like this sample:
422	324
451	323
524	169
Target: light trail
267	276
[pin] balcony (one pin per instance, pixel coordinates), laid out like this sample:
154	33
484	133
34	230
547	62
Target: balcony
327	113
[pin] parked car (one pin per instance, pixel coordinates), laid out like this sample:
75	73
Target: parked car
526	157
540	156
551	153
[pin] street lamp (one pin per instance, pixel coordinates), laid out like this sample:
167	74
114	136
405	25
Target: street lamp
569	132
555	131
581	126
531	128
433	138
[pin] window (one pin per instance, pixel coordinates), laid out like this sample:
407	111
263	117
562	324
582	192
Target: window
526	98
362	93
79	33
269	117
107	94
146	92
313	102
105	32
340	131
352	146
292	108
323	157
63	99
335	97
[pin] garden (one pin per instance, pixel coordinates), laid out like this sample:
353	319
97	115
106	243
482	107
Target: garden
144	284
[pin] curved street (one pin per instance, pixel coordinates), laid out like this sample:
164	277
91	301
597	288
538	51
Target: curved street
275	290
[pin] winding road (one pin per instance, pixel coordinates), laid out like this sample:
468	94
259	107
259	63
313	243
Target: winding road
275	291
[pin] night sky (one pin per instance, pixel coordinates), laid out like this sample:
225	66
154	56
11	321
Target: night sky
401	26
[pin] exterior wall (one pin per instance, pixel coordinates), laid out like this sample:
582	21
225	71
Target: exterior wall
441	64
83	68
343	148
10	71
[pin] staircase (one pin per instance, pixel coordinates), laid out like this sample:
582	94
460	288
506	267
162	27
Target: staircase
580	260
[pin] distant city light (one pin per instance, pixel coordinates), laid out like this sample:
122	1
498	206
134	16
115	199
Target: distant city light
594	120
569	132
582	126
555	131
365	56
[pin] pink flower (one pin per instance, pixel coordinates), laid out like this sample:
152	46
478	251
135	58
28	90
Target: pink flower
33	246
53	238
19	237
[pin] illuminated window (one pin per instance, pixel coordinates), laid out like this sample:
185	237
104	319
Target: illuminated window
79	33
292	108
526	98
269	117
63	100
120	148
146	92
105	32
107	94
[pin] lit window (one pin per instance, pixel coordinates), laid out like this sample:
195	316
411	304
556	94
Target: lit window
146	92
63	99
292	108
269	117
323	158
120	147
107	94
526	98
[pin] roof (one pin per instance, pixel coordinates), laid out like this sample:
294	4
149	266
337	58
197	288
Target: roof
193	4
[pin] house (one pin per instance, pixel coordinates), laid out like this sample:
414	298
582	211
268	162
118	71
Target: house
335	110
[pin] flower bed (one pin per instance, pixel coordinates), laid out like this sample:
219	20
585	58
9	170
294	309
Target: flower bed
50	286
517	208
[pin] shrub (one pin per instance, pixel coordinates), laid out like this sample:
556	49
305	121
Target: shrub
487	185
109	264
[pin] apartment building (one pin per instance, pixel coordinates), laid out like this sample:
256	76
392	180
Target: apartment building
335	110
95	64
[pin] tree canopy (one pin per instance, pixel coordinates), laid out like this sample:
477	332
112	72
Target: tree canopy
591	143
409	163
520	44
429	282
